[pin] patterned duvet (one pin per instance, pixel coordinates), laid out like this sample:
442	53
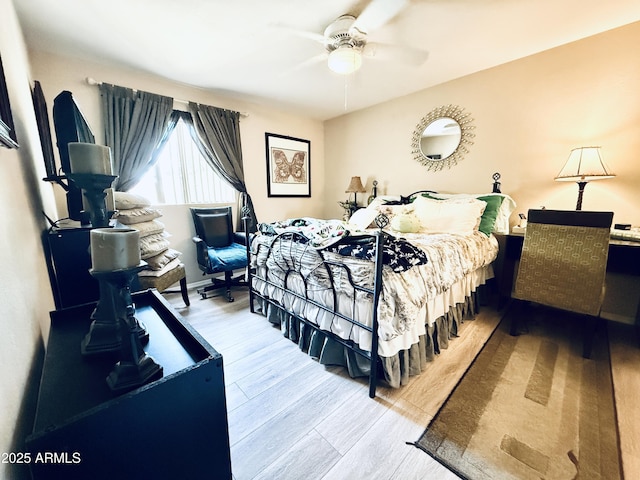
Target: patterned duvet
423	276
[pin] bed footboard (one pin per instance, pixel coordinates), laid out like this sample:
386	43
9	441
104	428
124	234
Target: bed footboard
290	274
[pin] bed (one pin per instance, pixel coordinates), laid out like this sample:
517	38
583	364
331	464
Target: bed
383	293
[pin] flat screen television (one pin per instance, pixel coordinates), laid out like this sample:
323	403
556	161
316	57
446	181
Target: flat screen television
70	126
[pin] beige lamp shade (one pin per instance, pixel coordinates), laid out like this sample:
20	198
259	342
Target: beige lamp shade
355	186
584	165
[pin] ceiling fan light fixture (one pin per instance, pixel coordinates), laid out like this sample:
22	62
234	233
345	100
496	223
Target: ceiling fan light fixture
345	60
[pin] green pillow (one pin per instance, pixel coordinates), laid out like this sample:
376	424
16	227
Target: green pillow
490	214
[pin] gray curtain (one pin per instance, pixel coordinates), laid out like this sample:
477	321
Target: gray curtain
174	118
135	125
218	138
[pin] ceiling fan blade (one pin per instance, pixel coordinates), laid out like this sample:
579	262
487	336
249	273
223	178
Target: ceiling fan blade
316	37
377	13
322	57
409	55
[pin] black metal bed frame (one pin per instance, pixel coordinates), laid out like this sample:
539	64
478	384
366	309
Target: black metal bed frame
288	266
291	266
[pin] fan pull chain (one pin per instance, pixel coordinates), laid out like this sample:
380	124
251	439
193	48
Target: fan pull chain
346	91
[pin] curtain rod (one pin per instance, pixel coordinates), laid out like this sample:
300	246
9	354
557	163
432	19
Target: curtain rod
93	81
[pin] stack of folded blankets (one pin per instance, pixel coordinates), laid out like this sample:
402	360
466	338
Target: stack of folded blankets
135	211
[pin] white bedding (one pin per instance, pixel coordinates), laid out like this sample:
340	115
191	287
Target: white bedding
409	302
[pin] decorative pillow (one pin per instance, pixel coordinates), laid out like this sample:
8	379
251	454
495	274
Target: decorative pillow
137	215
449	216
362	218
506	208
406	223
390	205
504	213
153	245
392	211
148	228
158	273
157	262
490	215
127	201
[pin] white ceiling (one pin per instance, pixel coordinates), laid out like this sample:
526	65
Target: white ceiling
238	48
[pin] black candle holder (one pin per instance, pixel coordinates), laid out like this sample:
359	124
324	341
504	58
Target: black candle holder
134	368
104	333
93	186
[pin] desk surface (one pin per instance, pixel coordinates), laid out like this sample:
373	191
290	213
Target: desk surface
624	255
612	241
623	260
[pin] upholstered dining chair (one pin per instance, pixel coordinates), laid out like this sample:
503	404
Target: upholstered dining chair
563	264
218	248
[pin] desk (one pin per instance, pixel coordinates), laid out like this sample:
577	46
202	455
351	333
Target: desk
624	259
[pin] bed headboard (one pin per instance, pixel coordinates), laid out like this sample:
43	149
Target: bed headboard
495	188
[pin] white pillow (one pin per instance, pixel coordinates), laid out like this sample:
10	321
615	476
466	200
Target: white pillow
137	215
148	228
364	217
393	211
361	219
507	207
153	245
406	223
449	216
504	213
159	261
126	200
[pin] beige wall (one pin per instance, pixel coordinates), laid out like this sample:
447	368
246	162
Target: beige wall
25	295
61	73
528	115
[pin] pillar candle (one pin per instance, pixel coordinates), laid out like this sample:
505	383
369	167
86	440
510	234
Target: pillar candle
90	158
110	200
114	248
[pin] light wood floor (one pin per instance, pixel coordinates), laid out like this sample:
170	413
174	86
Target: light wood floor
287	414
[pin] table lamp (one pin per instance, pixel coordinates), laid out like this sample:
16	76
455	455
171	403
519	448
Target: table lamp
584	165
355	187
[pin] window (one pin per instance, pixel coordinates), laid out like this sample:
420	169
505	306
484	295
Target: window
182	175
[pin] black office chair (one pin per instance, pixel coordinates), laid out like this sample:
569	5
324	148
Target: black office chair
219	248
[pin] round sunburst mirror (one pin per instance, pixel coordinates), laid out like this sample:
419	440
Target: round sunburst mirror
442	137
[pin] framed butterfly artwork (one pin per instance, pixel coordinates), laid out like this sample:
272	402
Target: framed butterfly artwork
288	166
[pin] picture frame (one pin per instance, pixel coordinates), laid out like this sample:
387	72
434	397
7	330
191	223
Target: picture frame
288	166
44	130
7	129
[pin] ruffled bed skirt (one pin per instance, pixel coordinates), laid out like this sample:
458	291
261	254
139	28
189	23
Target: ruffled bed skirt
396	369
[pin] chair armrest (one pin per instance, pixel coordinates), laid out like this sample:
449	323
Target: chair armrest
240	237
202	252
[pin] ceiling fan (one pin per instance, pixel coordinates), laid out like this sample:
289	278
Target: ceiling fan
345	39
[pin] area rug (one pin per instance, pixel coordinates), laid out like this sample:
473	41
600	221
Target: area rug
530	407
